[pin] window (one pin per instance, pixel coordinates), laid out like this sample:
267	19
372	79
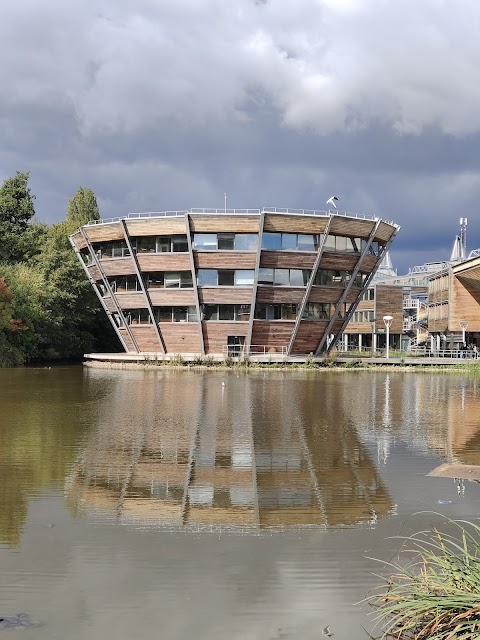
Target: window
369	294
289	241
169	279
272	241
226	278
265	276
299	277
122	284
179	244
176	314
334	278
226	241
317	311
205	241
164	244
281	277
155	280
244	277
226	312
138	316
275	311
147	244
307	242
245	242
207	277
120	250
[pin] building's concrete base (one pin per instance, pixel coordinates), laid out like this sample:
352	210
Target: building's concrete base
196	358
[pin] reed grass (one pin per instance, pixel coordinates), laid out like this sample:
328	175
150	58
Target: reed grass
436	594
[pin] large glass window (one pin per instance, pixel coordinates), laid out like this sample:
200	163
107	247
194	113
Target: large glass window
308	242
122	284
169	279
281	277
164	244
246	241
205	241
272	241
265	276
289	241
275	311
207	277
334	278
146	244
317	311
138	316
179	244
226	312
299	277
176	314
244	277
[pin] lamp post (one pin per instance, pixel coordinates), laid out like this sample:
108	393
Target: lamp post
373	337
388	321
464	325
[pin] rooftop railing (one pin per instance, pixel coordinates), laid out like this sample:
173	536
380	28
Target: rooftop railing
205	211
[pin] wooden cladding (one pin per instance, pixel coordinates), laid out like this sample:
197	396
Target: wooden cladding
215	334
118	267
287	259
294	223
389	302
224	224
164	261
309	336
181	337
172	297
224	260
279	295
104	232
464	305
146	338
225	295
273	335
167	226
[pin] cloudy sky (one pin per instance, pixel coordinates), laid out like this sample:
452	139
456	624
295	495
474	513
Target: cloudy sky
167	104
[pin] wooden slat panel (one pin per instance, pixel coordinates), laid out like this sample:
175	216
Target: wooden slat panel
325	294
272	334
389	302
384	232
128	342
438	296
181	337
359	327
287	259
167	226
133	300
338	261
146	338
118	267
79	240
224	260
164	261
295	224
104	232
215	334
464	305
438	325
366	305
172	297
353	227
109	303
224	223
368	264
287	295
225	295
309	335
95	273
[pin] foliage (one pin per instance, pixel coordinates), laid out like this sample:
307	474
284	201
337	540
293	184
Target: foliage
16	210
44	285
436	594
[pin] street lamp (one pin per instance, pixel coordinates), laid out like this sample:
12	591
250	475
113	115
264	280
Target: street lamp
464	325
388	321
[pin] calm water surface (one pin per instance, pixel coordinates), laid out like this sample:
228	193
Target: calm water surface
178	505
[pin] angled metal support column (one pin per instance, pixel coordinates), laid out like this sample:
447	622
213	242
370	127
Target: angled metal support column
99	295
142	284
194	280
346	291
309	285
107	286
354	305
255	283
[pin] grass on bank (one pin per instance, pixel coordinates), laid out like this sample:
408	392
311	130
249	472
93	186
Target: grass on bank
436	594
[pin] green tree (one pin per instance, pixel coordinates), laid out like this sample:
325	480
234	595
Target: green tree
10	326
82	208
16	210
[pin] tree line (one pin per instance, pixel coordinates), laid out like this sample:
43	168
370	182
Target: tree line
48	309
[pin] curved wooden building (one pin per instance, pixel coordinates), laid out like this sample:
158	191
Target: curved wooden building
276	281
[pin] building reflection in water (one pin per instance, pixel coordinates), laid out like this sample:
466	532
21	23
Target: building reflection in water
235	450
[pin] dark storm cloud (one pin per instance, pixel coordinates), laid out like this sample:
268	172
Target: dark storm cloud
168	105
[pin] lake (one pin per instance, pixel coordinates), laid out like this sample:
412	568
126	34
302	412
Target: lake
180	504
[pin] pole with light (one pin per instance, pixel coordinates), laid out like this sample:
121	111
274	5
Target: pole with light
464	325
388	321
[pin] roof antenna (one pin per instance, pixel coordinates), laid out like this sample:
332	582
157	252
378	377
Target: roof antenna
225	196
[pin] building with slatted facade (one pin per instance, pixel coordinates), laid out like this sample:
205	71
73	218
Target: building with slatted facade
213	282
